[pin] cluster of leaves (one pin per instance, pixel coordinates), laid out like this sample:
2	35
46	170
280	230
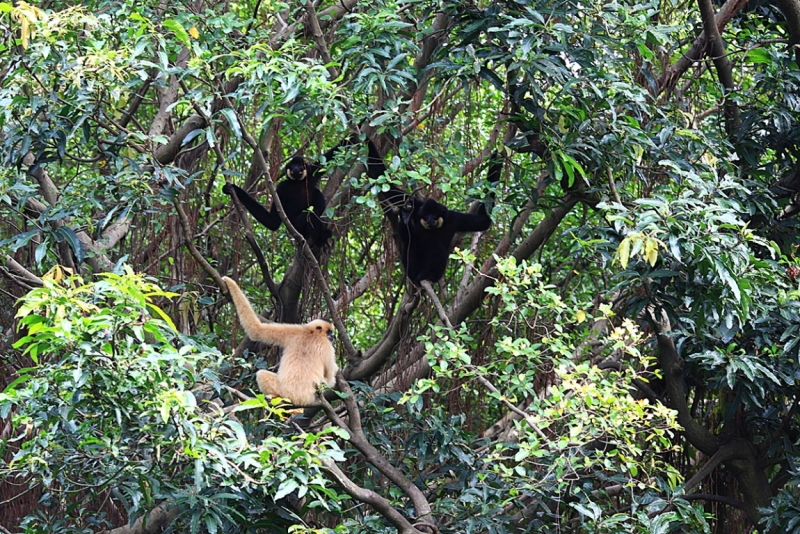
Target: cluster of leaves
577	434
115	403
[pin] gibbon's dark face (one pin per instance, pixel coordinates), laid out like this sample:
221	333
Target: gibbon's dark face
296	169
322	327
431	215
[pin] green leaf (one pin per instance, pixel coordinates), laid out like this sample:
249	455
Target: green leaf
759	55
286	487
624	252
75	244
176	28
163	315
233	121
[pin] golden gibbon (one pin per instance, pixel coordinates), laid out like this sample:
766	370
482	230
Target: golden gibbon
308	358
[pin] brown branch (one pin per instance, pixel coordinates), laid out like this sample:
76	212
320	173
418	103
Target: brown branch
22	272
671	75
378	503
716	49
166	153
168	97
715	498
502	398
359	287
138	98
327	16
672	366
791	10
96	257
188	240
319	40
426	285
371	454
152	523
362	368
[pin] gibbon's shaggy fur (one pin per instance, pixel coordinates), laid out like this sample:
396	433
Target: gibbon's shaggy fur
308	358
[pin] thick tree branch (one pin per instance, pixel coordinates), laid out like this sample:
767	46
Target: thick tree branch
21	272
319	40
371	454
791	10
153	523
376	501
365	367
360	287
169	97
716	49
739	455
672	74
672	366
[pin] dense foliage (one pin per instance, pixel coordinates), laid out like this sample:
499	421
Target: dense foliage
617	353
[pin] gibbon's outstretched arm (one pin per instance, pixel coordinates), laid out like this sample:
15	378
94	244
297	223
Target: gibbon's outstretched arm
270	219
273	333
495	168
480	221
467	222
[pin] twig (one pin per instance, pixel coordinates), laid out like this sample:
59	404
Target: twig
189	241
439	308
528	419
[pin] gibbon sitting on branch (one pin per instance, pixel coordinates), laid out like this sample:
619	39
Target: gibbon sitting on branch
308	358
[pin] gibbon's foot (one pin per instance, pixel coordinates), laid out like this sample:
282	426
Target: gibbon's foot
268	383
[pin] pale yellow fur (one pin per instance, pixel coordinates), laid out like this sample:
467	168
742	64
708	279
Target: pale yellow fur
308	358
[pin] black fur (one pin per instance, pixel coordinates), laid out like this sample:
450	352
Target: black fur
424	229
298	191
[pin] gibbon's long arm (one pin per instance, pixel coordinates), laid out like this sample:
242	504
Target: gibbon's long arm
270	219
467	222
273	333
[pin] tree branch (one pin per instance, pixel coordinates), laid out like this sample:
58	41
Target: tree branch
188	240
378	503
319	41
671	75
371	454
721	62
152	523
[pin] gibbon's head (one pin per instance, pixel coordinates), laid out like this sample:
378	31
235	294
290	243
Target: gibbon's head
431	214
296	169
320	327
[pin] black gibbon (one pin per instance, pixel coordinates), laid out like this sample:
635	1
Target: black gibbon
308	359
424	229
298	192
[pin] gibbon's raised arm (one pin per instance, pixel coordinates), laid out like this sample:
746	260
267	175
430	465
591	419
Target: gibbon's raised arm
273	333
270	218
